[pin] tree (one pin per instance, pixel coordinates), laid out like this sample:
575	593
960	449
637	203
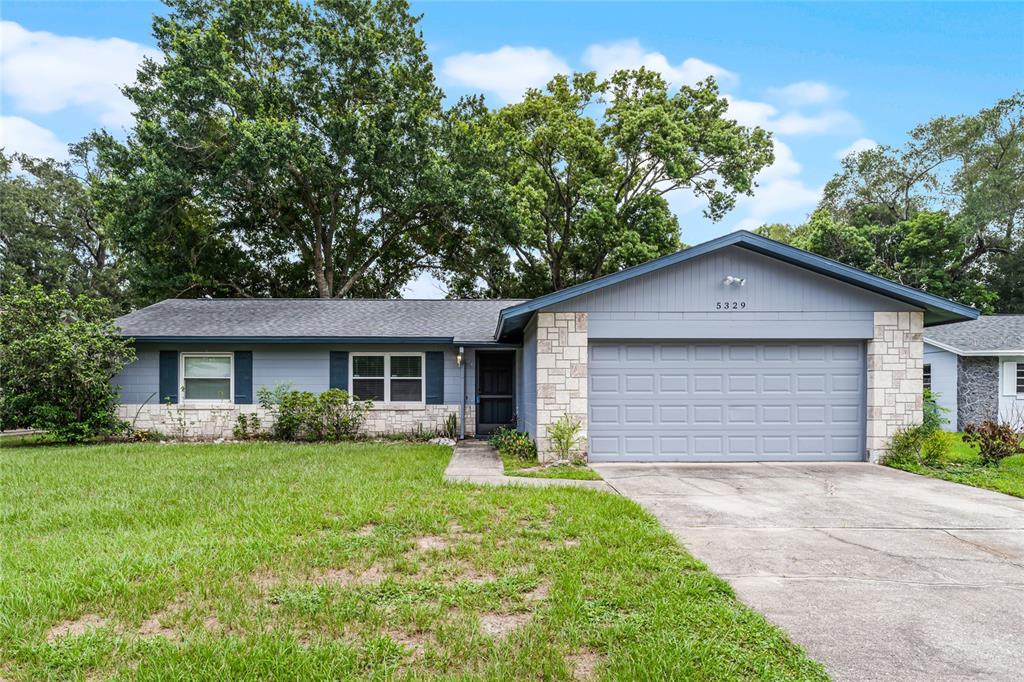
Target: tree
942	211
58	355
288	132
52	233
575	197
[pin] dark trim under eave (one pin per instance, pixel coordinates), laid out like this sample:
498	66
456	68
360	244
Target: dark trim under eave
447	340
401	340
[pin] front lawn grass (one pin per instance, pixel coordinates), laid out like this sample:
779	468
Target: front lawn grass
279	561
963	465
529	468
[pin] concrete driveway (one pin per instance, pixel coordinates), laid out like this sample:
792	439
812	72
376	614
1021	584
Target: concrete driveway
879	574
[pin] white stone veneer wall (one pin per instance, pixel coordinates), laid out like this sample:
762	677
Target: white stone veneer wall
202	422
561	375
894	382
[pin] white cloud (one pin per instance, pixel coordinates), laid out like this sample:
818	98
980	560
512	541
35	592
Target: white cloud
44	72
606	58
827	122
784	166
806	93
22	135
507	72
856	147
749	113
830	122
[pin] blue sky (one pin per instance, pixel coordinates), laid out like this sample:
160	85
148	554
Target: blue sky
823	77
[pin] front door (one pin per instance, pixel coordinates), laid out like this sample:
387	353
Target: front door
495	390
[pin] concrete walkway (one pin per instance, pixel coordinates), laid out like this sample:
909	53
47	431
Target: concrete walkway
879	574
476	461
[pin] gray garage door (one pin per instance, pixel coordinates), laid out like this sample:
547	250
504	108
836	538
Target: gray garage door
726	401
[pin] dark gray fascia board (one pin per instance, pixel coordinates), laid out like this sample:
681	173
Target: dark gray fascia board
941	309
295	339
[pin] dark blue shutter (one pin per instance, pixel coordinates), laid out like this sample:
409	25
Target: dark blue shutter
339	369
435	377
243	377
169	376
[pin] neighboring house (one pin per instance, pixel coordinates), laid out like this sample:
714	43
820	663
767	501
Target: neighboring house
976	369
740	348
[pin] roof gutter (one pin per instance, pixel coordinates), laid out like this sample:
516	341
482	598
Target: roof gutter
971	353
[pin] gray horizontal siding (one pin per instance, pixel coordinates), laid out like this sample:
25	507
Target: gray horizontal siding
944	381
306	368
695	286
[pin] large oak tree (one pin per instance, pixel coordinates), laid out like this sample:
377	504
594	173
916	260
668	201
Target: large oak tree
301	137
578	175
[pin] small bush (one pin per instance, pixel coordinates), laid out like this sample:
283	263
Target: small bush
512	443
917	445
996	441
301	415
449	427
565	436
247	426
933	414
342	418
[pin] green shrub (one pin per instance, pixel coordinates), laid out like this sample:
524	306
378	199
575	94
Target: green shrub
58	356
512	443
247	426
301	415
996	441
449	427
933	414
917	445
565	436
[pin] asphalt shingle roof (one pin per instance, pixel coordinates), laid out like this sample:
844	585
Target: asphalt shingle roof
987	333
460	320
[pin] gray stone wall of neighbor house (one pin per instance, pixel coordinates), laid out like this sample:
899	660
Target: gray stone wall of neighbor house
977	390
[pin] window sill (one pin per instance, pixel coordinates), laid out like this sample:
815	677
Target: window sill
199	405
391	407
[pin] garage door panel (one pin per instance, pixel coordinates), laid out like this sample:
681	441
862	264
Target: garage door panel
721	402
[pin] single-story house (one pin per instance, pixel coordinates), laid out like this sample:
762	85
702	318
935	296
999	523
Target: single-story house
739	349
976	369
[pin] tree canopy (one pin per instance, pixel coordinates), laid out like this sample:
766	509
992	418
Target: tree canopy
944	214
577	177
281	133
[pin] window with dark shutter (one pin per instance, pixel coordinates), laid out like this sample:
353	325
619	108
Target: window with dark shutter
1020	378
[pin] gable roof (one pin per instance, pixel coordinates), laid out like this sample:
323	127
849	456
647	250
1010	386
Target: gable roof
937	309
987	335
315	320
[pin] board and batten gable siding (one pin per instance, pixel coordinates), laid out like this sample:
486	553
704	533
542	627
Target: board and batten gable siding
305	367
944	381
679	301
528	380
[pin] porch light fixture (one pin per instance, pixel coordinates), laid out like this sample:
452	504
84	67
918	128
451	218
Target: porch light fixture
730	280
458	356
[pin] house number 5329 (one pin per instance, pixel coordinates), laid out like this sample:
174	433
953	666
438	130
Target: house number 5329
730	305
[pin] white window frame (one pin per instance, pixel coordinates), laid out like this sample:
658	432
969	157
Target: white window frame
387	375
231	378
926	375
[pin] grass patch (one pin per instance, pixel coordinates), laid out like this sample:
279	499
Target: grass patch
963	465
515	466
265	561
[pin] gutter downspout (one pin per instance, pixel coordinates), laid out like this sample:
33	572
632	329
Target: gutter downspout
462	403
